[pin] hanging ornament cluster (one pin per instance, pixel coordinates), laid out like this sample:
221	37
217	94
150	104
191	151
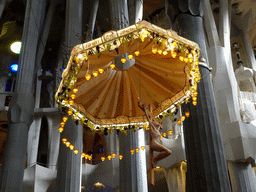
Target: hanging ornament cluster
165	43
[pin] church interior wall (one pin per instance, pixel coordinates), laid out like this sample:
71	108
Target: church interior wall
239	143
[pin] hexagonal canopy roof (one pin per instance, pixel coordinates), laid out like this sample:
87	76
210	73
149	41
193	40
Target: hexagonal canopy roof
162	73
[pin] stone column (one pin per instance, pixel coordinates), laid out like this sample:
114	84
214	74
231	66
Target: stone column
249	51
112	145
53	119
242	177
141	167
69	164
92	20
41	48
207	169
33	140
2	4
21	111
127	166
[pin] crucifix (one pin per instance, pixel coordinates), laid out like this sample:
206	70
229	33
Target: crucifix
154	142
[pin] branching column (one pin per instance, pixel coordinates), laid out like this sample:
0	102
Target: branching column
20	114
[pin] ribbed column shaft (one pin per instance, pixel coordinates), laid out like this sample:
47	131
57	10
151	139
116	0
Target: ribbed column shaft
249	51
92	20
69	164
119	14
25	78
207	169
242	177
141	167
127	166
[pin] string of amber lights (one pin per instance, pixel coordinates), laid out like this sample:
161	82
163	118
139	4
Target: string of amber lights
89	157
109	157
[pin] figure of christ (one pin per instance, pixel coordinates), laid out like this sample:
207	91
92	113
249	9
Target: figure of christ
155	134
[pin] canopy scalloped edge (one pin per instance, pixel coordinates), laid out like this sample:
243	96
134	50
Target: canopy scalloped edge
80	53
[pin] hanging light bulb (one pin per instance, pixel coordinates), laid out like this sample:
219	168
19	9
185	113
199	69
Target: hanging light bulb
71	147
67	143
196	62
159	51
101	70
174	44
187	114
90	158
195	93
123	60
80	56
83	155
76	151
183	117
194	98
130	56
137	150
190	57
170	132
165	52
71	102
174	54
95	73
179	121
62	124
73	96
87	77
75	90
64	140
86	156
196	69
109	157
186	59
120	157
60	129
70	111
65	118
154	49
143	148
132	151
143	34
112	65
137	53
113	155
181	58
102	159
164	134
194	103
